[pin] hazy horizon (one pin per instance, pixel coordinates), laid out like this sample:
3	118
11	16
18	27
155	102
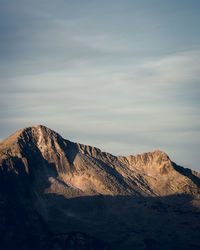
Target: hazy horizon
119	75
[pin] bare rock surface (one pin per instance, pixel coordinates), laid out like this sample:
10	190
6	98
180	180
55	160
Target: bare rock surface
141	201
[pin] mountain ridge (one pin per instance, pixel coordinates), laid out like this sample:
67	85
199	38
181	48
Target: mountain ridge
65	155
17	134
78	188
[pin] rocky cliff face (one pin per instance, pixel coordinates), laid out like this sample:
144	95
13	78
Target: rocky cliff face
74	187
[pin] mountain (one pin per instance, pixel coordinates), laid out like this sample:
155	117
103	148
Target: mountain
84	198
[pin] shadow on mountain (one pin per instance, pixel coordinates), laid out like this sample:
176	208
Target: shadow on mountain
187	173
128	222
28	231
19	229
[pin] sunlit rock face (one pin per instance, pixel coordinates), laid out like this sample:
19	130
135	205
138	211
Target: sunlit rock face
144	201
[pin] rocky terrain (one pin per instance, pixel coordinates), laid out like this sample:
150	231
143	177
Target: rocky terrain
64	195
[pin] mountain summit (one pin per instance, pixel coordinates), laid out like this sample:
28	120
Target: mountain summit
117	199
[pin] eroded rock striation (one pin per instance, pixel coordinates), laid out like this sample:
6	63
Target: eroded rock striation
144	201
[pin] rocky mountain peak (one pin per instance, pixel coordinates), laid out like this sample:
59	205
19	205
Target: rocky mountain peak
87	170
34	134
78	188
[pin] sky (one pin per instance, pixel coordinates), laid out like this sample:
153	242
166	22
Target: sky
121	75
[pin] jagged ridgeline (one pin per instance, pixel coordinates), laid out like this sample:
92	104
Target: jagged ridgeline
84	198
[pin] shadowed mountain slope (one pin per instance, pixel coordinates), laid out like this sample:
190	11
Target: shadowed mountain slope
125	201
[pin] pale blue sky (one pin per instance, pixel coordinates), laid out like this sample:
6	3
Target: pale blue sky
119	75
